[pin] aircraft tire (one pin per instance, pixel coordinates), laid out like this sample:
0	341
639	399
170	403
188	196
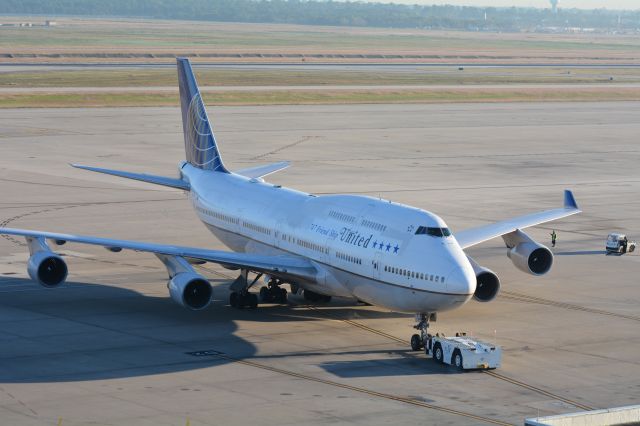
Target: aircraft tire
264	294
416	344
252	300
282	296
310	296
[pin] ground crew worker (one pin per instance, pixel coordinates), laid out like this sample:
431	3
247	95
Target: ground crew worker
553	238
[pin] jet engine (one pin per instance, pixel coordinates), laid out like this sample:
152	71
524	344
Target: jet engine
531	257
190	290
528	255
487	283
487	286
47	268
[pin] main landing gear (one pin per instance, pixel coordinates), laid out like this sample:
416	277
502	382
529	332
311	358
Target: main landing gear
273	293
240	297
243	300
422	324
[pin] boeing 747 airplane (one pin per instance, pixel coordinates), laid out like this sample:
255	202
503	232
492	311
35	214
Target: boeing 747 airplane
383	253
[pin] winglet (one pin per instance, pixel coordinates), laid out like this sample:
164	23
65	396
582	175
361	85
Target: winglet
569	200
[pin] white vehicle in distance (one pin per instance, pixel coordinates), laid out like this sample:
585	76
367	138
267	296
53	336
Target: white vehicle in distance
463	352
619	244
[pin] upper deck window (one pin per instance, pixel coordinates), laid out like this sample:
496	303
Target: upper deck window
434	232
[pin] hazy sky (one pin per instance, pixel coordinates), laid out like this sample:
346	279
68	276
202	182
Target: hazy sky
581	4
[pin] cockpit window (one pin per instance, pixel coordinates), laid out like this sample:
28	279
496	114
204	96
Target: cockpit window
434	232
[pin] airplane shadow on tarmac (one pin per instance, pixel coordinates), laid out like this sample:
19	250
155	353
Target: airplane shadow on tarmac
409	366
83	331
580	253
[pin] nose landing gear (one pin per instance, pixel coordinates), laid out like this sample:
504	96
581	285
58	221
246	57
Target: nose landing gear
422	324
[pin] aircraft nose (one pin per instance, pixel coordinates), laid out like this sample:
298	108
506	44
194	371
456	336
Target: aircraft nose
461	281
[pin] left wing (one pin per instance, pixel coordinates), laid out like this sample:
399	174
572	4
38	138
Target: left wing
293	266
473	236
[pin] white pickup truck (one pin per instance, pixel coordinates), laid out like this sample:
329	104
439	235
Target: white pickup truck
463	352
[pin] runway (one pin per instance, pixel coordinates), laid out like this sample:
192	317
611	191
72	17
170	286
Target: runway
110	347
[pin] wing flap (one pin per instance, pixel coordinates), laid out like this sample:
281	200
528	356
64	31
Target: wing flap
473	236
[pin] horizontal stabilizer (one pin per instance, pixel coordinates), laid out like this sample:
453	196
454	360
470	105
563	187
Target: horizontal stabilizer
261	171
157	180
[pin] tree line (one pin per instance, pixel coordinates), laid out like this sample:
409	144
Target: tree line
341	13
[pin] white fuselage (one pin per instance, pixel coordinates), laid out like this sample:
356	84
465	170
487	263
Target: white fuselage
363	247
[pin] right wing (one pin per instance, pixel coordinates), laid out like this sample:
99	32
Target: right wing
262	171
473	236
282	266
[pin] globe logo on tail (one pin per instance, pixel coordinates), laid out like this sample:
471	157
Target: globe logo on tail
200	143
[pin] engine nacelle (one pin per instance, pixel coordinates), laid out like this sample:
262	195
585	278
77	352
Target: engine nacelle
47	268
487	283
531	257
190	290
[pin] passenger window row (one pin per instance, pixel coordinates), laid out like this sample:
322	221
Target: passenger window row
342	216
219	216
257	228
374	225
413	274
348	258
289	238
312	246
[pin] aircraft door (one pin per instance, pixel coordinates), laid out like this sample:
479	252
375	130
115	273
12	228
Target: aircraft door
280	233
376	265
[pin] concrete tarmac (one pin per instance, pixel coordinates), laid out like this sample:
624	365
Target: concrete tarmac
326	87
111	348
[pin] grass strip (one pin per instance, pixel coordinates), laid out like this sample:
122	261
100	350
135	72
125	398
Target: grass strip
440	76
284	97
149	35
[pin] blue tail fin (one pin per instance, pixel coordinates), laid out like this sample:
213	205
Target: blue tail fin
199	141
